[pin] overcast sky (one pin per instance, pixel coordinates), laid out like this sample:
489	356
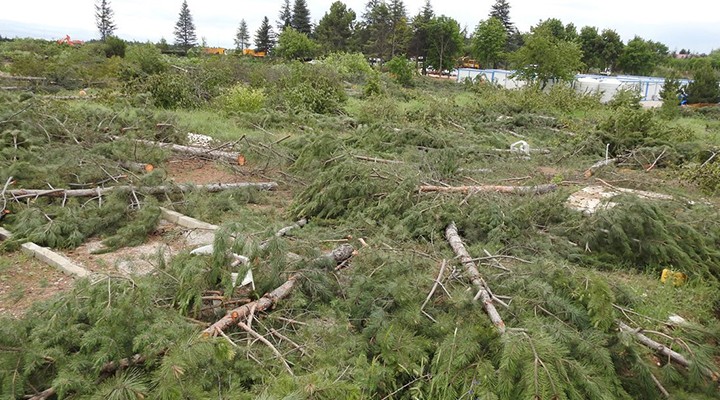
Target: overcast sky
694	25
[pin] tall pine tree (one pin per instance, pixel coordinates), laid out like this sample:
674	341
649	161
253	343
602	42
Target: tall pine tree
335	29
185	29
285	16
419	42
399	27
264	37
301	17
376	34
501	11
242	37
104	19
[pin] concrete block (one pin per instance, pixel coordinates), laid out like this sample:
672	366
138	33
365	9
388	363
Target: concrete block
5	234
185	221
54	259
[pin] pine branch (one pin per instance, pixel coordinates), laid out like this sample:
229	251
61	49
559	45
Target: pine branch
660	348
269	300
452	236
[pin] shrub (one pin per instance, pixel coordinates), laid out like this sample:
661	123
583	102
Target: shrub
628	98
402	70
705	86
114	47
314	88
373	87
294	45
352	67
241	98
172	91
147	58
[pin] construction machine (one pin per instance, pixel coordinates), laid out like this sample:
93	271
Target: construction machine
66	40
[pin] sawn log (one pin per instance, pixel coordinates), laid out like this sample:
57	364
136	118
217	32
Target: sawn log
235	158
539	189
215	187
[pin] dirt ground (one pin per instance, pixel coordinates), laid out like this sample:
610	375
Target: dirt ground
200	172
24	281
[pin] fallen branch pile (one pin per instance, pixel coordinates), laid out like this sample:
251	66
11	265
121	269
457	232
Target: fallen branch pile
539	189
452	236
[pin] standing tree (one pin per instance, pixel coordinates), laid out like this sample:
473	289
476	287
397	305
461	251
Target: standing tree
612	47
375	35
444	42
301	17
400	30
544	58
637	57
489	41
705	87
335	29
185	29
591	44
104	19
501	11
285	16
293	45
242	37
264	37
419	42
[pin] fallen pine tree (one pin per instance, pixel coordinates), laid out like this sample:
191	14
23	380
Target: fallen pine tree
232	157
539	189
215	187
453	238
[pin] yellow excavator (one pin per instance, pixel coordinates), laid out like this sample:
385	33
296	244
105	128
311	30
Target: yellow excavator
467	62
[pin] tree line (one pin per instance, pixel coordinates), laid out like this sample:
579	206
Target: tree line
385	29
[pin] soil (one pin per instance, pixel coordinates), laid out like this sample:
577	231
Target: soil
24	281
200	172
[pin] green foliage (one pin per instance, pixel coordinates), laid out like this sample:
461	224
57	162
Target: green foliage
489	41
145	59
313	88
706	176
185	36
644	235
172	91
293	45
352	67
373	86
630	128
401	70
705	87
264	37
545	58
444	42
626	99
334	31
115	47
241	98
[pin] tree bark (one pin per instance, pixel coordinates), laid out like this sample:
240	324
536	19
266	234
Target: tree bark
136	167
602	163
661	349
235	158
44	395
215	187
338	255
452	236
539	189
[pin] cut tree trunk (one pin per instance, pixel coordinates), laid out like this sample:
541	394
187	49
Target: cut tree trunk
215	187
232	157
338	255
662	349
136	167
452	236
539	189
602	163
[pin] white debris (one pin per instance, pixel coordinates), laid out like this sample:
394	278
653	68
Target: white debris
593	198
248	280
677	320
195	139
520	147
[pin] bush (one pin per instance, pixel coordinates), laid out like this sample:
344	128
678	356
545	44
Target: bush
313	88
114	47
628	98
705	87
352	67
293	45
172	91
241	98
147	59
402	70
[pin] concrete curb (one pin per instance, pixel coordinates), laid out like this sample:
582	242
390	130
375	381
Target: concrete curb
185	221
49	257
